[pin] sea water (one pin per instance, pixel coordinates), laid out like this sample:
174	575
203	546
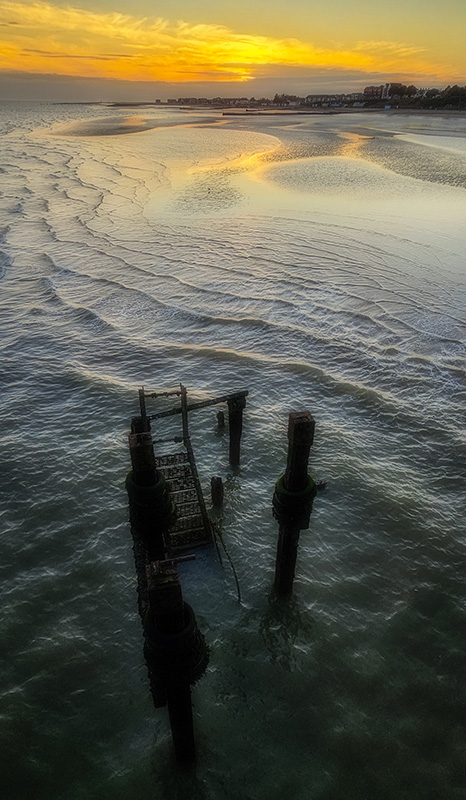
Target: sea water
319	263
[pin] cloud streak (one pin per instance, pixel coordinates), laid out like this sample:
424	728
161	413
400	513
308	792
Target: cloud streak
78	42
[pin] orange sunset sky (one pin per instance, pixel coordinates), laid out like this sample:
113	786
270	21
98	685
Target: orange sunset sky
117	50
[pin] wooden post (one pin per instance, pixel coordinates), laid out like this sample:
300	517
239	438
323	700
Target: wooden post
301	426
293	499
216	491
142	458
180	712
166	608
165	599
235	419
142	406
145	509
140	425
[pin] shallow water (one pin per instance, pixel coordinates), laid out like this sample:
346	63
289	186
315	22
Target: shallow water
319	268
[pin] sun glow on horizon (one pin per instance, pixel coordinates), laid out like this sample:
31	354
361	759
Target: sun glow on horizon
39	37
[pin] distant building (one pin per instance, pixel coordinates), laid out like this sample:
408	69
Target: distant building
374	92
324	99
393	90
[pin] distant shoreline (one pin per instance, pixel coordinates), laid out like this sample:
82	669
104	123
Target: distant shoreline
227	111
333	111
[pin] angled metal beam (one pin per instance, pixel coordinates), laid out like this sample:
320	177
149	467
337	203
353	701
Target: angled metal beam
201	404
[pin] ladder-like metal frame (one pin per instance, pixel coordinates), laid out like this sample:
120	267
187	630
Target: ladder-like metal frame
174	468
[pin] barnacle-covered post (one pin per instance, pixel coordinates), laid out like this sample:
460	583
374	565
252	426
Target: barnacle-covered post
149	503
292	500
175	652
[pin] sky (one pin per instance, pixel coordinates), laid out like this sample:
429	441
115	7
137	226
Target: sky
138	50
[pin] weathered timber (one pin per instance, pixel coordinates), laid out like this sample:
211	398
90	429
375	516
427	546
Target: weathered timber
293	497
236	405
150	508
166	608
195	406
169	393
175	652
301	427
165	598
216	490
142	458
142	406
137	425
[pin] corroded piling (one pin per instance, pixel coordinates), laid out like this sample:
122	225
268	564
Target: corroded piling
216	491
292	501
142	458
149	507
175	652
236	405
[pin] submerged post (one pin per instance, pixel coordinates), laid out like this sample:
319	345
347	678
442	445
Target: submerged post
292	501
150	507
235	419
175	652
216	491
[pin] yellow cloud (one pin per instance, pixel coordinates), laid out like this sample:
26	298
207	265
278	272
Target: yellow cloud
73	41
397	48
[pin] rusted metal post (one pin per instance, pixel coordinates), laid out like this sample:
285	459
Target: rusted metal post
216	491
166	608
235	420
149	508
165	598
142	406
292	502
140	424
175	652
142	459
301	426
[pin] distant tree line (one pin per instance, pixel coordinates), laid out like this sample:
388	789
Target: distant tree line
452	98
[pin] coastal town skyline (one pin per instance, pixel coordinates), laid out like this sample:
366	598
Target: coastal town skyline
388	95
111	50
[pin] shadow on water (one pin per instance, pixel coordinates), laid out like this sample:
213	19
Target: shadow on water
177	782
281	627
384	709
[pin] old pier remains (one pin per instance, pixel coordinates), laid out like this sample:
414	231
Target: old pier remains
168	515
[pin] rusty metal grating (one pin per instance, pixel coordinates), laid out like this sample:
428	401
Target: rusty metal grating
188	529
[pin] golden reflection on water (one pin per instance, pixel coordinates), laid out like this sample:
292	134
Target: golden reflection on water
353	144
